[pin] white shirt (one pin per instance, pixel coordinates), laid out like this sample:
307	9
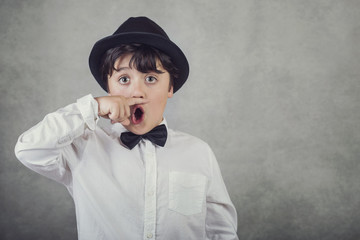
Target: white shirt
149	192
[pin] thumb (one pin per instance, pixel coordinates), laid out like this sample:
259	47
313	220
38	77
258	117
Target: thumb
126	122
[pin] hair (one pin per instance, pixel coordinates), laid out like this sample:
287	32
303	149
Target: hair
143	58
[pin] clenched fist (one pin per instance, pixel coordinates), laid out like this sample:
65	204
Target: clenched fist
117	108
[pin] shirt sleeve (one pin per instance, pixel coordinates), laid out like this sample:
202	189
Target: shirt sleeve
48	149
221	217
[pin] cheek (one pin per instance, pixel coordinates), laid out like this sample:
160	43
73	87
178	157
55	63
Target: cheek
158	102
120	92
115	90
162	102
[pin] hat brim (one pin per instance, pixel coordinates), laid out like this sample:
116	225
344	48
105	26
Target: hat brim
154	40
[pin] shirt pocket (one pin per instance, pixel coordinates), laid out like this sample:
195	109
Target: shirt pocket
186	192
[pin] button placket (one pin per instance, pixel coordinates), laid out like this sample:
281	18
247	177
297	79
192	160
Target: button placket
150	191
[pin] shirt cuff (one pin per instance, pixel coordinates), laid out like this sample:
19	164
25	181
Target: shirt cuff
88	108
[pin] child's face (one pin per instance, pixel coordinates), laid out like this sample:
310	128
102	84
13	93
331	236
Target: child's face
129	82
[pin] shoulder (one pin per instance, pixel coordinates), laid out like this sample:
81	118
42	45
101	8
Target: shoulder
182	136
181	139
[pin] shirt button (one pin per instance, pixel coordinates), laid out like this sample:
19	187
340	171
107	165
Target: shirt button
150	193
149	235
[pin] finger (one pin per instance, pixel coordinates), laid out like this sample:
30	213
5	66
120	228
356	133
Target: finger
125	122
127	111
122	114
114	113
133	101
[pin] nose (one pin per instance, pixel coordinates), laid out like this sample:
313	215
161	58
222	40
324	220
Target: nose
138	89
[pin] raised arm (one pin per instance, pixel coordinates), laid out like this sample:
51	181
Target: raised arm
46	147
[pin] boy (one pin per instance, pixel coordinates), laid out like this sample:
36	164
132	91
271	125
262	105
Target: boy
138	179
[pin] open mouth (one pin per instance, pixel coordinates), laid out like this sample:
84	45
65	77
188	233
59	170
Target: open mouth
137	115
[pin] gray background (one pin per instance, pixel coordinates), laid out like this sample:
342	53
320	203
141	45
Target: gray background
274	89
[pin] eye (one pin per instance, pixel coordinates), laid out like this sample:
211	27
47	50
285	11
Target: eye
124	80
150	79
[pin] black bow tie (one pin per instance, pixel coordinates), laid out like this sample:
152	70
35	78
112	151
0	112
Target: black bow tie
157	136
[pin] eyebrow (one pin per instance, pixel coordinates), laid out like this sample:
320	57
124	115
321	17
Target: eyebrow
121	68
126	68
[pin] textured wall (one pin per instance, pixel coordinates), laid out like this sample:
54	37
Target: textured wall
274	89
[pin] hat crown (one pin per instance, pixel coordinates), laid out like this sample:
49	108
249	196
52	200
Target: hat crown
140	25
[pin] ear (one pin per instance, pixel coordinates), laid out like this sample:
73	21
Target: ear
171	92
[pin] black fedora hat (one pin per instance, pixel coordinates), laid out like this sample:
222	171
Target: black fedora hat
139	30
